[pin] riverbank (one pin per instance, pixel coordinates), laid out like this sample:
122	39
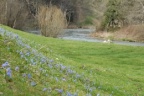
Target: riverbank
133	33
86	35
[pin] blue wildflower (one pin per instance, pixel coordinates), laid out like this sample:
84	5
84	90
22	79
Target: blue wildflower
50	66
9	72
21	53
28	54
56	65
43	60
33	83
17	37
6	64
69	94
33	51
69	71
41	69
63	67
51	61
59	90
90	89
17	68
78	76
28	47
44	89
29	76
24	75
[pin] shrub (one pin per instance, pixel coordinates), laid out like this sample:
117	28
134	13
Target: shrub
51	20
88	21
113	16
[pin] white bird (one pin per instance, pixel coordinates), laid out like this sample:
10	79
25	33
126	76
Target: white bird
104	41
107	41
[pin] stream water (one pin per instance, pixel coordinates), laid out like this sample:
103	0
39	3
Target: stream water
84	35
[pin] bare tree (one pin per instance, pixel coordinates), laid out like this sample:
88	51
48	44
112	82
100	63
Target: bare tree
3	8
133	11
13	13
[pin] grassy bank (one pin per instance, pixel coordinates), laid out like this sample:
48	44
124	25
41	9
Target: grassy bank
91	68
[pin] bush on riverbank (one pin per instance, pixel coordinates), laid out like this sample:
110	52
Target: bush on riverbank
51	21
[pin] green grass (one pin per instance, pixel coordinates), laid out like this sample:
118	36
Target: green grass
114	69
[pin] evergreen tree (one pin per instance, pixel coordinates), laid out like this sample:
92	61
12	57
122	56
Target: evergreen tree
112	16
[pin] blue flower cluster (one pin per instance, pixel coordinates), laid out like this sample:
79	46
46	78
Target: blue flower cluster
8	73
5	65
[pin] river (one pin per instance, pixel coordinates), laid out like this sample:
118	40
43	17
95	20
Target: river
84	35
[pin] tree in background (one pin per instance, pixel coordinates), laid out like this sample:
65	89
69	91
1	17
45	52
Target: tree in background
51	20
112	16
13	13
133	11
3	7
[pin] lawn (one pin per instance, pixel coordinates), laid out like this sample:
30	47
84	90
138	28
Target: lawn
97	69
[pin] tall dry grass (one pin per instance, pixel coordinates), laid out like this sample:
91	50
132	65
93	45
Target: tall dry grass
51	20
131	32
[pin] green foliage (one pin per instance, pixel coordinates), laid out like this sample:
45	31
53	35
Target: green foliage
88	21
112	15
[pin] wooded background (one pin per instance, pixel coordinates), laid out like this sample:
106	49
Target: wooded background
22	14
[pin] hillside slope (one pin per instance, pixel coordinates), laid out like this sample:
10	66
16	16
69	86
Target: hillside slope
54	67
